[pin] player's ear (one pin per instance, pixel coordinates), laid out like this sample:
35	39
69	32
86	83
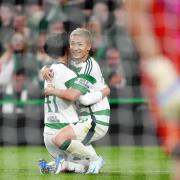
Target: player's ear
89	47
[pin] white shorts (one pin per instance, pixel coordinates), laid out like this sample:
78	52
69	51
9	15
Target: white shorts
88	130
53	150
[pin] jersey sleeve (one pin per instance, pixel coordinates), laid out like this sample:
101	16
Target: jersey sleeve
90	98
82	83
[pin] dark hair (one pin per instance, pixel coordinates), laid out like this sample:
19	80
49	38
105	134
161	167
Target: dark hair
56	45
20	72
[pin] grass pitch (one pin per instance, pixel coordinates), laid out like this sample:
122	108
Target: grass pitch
122	163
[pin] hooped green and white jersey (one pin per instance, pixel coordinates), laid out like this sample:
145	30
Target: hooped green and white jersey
59	112
90	79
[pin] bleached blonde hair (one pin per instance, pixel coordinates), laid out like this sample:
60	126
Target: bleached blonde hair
83	33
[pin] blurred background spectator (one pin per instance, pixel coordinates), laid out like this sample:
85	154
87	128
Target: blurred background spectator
6	24
18	56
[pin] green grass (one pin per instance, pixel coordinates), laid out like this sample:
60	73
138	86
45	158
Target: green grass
122	163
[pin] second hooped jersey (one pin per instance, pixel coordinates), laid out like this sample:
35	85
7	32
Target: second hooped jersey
90	79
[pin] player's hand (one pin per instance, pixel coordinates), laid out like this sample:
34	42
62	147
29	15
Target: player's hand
47	73
49	90
105	91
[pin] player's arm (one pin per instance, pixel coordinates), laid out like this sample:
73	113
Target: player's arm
94	97
74	94
67	94
77	87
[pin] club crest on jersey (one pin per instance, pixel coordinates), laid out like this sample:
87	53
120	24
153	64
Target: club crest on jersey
83	82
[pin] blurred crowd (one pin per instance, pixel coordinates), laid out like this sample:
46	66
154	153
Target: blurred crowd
23	29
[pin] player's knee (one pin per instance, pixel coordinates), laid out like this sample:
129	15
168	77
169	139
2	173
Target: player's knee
58	141
61	142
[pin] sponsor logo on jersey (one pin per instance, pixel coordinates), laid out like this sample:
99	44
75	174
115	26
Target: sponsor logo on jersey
53	119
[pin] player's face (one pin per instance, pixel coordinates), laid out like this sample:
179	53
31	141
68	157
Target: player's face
79	47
